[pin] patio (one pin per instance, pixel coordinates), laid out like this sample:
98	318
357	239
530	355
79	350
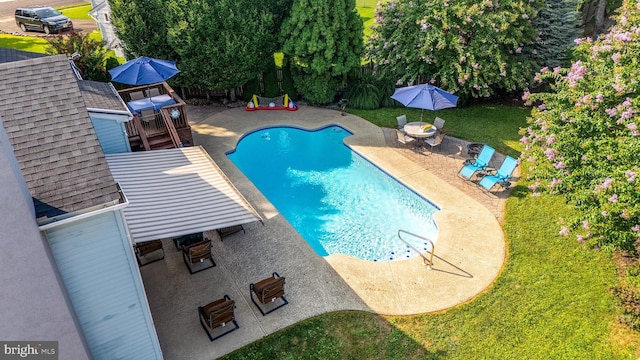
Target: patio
466	261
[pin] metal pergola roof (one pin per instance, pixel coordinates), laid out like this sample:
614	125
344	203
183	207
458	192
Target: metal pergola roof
175	192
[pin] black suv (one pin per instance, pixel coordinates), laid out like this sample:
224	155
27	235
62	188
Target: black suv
45	19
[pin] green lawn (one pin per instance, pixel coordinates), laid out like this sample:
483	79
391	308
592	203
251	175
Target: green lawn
550	302
367	13
492	124
366	9
25	43
77	11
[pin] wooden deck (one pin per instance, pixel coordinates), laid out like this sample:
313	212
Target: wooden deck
163	129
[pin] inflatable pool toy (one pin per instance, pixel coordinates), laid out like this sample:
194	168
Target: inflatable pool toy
278	103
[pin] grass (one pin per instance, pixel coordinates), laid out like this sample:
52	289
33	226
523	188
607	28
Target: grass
496	125
551	300
24	43
366	9
77	11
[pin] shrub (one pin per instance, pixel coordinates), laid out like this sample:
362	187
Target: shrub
464	46
323	39
270	80
250	88
93	54
629	298
364	95
317	89
583	140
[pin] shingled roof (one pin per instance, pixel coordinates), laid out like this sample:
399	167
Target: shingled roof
99	95
48	126
9	55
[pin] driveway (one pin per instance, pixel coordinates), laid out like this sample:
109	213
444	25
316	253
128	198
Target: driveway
8	23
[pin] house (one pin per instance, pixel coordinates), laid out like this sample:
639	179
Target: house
75	200
109	115
77	208
101	13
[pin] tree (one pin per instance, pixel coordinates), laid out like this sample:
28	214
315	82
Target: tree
323	42
142	27
558	23
468	47
92	53
216	44
596	15
222	44
583	140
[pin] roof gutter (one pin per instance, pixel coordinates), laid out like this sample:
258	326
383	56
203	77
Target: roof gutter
109	111
69	218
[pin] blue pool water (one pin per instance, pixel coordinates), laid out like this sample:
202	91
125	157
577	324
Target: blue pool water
337	200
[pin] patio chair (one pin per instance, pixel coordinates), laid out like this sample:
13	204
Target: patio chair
198	256
226	231
402	121
153	92
136	95
501	176
268	291
185	240
147	115
404	138
439	124
472	166
144	250
218	314
434	141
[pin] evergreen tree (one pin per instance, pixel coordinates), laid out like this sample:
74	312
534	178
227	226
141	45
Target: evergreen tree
559	24
323	42
222	44
142	27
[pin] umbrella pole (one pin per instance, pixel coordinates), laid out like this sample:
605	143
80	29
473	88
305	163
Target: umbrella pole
421	112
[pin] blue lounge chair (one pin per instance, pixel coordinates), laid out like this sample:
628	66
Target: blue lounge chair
479	164
502	176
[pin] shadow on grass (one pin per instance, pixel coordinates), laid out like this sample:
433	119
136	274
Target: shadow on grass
520	191
339	335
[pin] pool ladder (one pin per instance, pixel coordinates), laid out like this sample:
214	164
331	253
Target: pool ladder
429	262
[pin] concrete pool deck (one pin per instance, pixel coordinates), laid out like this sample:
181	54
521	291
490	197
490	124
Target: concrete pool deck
469	252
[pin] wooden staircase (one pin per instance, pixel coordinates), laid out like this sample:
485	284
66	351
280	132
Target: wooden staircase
168	138
158	130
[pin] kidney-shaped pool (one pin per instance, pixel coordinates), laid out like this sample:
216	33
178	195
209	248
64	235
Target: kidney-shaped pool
337	200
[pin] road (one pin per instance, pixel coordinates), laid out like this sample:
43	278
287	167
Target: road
8	7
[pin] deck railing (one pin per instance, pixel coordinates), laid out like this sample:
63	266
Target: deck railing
155	125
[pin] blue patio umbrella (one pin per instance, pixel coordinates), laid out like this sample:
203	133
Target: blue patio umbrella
425	96
144	71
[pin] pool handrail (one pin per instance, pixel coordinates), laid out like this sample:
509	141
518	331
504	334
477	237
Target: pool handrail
433	247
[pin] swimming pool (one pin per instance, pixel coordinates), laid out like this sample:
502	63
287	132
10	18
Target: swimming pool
337	201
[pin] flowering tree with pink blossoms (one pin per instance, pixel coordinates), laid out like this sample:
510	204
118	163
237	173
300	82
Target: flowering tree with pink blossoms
583	138
469	47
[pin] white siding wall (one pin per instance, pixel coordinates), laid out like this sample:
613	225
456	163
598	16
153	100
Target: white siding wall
104	284
111	135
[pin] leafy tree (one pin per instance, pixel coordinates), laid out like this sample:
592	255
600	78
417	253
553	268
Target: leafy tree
142	27
583	140
92	53
222	44
323	40
468	47
558	24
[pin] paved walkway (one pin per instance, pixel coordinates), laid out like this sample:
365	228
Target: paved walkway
470	249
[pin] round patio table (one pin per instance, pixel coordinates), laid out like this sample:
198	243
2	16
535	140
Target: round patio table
414	129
